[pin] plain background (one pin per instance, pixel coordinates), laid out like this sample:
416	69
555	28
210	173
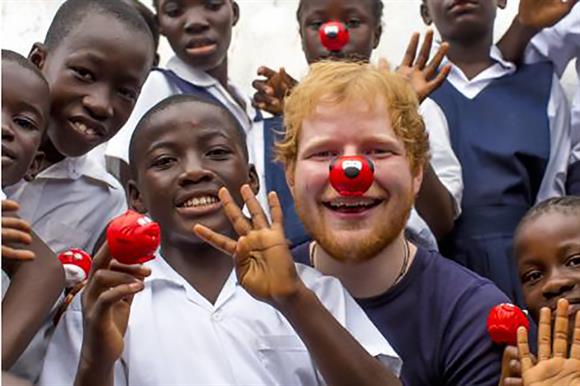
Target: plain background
267	34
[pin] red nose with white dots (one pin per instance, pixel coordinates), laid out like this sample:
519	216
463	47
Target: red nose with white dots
334	36
351	175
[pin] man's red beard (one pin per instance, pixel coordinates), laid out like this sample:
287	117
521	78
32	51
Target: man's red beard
349	251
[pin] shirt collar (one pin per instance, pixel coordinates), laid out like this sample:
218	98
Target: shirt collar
77	167
191	74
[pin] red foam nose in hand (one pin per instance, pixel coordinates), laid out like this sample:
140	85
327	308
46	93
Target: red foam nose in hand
334	35
76	264
503	323
351	175
133	238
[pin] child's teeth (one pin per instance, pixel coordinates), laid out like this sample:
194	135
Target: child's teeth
90	132
200	201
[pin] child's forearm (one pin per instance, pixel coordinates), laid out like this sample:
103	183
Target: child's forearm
92	373
34	288
514	42
339	357
435	204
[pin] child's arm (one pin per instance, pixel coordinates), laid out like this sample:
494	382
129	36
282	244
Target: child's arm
272	89
533	16
106	308
556	366
34	288
265	269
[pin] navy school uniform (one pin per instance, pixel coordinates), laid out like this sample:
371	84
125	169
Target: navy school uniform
435	318
502	139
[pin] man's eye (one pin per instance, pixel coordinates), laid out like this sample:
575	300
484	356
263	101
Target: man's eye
25	123
324	155
379	153
83	74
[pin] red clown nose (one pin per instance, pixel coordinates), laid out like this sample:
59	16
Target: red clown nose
352	175
503	323
334	35
133	238
76	264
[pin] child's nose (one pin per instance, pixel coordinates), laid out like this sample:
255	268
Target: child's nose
194	172
98	103
557	285
196	22
7	132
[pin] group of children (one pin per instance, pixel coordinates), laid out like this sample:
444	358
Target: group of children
464	147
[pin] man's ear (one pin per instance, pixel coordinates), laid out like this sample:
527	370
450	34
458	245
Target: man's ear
253	179
38	54
501	4
35	166
425	15
418	180
377	35
236	9
135	198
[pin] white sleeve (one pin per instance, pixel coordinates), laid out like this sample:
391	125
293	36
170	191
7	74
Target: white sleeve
560	43
554	181
443	159
348	313
575	122
155	89
63	355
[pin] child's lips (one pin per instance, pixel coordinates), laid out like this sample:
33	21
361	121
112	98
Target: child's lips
202	50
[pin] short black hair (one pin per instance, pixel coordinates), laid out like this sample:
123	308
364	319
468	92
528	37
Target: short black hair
72	12
149	18
569	205
378	10
177	100
16	58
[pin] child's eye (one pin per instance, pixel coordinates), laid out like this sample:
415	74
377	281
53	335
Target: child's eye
315	25
574	261
128	94
531	277
214	5
162	162
219	153
353	23
25	123
83	74
171	9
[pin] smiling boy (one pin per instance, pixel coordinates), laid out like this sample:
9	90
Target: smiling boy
95	57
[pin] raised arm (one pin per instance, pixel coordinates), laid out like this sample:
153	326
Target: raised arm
265	268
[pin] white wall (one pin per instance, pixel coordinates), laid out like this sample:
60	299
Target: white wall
267	33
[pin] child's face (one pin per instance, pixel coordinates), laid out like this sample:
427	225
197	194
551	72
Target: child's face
185	155
25	106
547	250
365	30
199	31
95	76
461	19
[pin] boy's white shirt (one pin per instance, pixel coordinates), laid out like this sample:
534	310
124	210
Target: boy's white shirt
560	44
177	337
70	203
553	183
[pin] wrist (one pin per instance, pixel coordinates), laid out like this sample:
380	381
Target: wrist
527	30
295	301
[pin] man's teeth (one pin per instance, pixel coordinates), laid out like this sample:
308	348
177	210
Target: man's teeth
350	204
200	201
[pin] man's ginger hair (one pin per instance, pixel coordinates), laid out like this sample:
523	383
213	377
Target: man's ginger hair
336	83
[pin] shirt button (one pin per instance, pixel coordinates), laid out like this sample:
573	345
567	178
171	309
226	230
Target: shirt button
217	316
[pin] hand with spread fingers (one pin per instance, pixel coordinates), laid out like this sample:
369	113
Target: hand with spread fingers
543	13
15	231
263	263
106	302
554	366
511	372
424	77
271	91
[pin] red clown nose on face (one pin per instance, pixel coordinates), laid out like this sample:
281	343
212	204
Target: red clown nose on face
334	35
351	175
133	238
503	323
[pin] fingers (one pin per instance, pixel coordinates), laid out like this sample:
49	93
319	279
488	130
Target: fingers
561	329
510	354
275	210
106	280
10	206
544	335
524	350
17	254
384	64
115	294
16	223
434	64
425	50
216	240
266	71
411	51
262	87
10	236
513	382
240	223
575	349
101	260
258	217
138	271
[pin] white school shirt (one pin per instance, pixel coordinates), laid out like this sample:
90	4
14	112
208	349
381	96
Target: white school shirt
560	44
177	337
70	203
554	180
158	88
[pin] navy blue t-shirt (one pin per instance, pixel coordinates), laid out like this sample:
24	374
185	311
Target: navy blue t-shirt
435	318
